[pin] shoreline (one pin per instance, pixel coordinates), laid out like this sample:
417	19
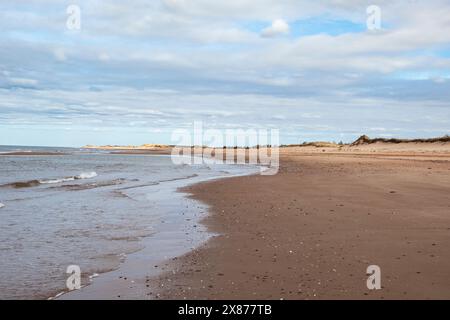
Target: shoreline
311	231
177	235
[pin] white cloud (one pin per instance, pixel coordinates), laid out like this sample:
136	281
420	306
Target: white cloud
215	53
278	27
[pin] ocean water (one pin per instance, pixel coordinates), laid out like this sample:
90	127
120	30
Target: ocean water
91	209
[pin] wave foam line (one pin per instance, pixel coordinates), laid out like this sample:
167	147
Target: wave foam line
33	183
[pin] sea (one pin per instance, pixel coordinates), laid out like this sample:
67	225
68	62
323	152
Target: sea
92	209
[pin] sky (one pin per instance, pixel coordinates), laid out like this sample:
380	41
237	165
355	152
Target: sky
133	72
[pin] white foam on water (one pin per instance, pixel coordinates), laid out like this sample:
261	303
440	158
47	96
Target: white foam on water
83	175
87	175
91	277
56	180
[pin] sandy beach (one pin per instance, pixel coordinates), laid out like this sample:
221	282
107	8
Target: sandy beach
311	231
225	150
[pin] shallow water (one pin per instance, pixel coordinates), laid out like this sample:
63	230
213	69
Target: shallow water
88	209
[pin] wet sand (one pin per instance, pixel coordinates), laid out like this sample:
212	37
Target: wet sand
176	230
311	231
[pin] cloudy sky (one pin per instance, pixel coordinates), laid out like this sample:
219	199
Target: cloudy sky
136	70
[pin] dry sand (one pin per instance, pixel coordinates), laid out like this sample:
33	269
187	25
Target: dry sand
311	231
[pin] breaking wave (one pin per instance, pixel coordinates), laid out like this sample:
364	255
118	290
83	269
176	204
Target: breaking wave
34	183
